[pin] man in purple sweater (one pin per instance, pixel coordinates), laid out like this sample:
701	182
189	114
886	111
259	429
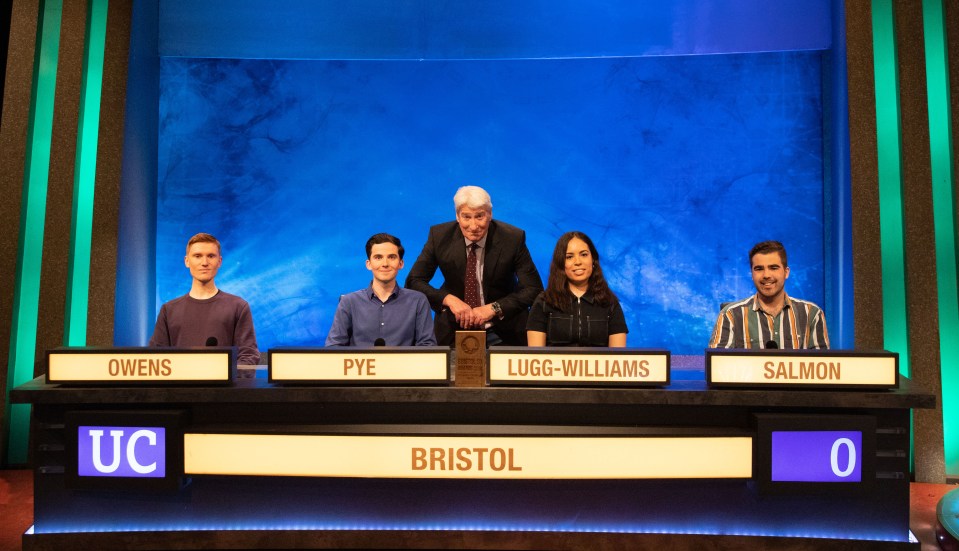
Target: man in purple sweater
207	316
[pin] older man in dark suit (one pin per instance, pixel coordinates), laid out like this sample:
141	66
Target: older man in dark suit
490	280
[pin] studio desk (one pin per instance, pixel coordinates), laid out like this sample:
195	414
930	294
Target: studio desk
251	463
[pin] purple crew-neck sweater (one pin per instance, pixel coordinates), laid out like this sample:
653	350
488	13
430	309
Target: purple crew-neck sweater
188	321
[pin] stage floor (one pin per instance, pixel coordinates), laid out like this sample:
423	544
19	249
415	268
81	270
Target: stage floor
16	509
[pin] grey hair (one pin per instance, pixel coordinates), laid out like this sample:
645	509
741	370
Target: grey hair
473	197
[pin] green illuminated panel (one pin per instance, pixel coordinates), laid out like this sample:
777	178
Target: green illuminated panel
940	144
895	332
84	184
26	300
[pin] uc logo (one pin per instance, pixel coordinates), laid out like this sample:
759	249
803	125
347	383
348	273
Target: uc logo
121	451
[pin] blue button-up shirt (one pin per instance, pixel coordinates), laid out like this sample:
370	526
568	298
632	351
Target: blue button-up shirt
403	320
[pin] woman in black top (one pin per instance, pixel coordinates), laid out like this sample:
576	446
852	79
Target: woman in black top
577	308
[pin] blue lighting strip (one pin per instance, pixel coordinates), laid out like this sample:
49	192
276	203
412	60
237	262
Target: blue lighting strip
135	300
477	527
26	300
837	194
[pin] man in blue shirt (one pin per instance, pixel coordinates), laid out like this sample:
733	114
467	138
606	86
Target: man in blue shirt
384	310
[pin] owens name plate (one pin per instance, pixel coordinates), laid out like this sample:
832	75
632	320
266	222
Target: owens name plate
834	369
342	365
544	366
147	366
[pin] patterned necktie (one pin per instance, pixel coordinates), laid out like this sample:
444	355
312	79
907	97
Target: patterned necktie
472	284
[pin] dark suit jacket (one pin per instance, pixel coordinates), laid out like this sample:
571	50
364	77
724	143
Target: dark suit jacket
509	277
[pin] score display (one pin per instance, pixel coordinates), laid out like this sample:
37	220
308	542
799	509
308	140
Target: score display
814	453
816	456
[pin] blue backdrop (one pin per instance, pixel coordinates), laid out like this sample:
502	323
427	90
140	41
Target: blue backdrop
675	165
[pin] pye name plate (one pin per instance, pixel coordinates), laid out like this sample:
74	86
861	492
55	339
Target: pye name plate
802	368
148	366
578	366
360	365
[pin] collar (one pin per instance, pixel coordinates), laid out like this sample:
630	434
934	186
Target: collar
371	294
757	306
481	242
587	296
207	299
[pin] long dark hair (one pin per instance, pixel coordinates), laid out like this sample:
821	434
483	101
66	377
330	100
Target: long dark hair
557	292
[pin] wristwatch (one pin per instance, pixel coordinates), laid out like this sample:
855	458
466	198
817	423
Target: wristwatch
497	309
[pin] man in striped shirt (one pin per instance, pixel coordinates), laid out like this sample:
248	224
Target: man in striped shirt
770	318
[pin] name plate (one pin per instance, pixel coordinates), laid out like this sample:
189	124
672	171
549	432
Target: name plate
578	366
149	366
360	365
477	457
834	369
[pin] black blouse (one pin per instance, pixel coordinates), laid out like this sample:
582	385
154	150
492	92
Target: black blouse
587	324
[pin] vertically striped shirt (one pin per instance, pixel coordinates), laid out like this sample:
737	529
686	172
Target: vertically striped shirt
743	324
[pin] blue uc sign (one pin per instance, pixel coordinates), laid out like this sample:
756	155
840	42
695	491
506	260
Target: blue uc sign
135	452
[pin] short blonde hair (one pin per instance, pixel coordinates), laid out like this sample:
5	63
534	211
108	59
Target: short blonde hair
202	238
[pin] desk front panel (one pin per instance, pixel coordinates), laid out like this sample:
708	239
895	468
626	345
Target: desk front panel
633	505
